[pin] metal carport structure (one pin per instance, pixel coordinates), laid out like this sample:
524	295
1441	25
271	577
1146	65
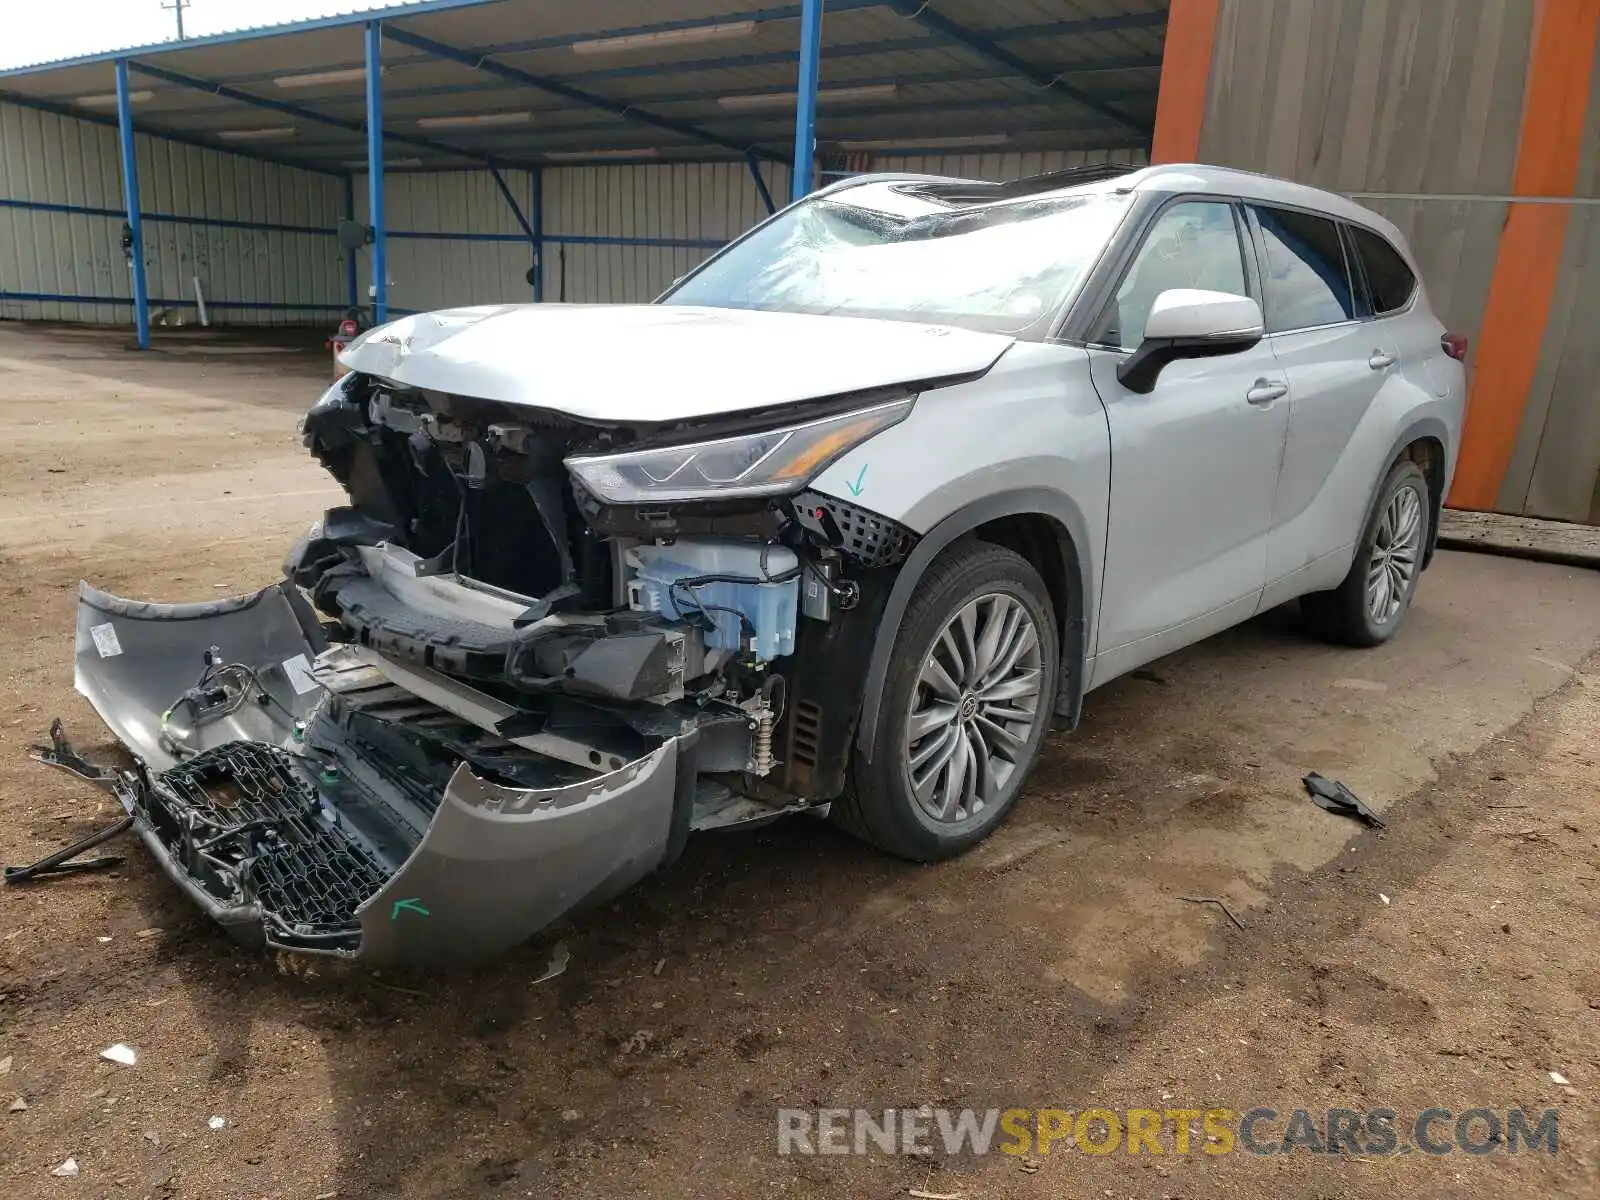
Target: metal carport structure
513	90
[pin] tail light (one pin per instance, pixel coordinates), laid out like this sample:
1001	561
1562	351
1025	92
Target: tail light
1455	345
347	328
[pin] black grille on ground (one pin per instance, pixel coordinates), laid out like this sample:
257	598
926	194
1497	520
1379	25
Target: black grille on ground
245	821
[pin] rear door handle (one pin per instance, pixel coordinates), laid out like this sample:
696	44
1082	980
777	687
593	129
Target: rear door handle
1266	391
1380	361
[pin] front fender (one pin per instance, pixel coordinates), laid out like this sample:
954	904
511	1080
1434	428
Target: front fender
1078	584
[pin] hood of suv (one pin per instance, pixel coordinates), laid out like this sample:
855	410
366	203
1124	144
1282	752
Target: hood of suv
650	363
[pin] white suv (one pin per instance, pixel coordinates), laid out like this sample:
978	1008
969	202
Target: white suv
848	518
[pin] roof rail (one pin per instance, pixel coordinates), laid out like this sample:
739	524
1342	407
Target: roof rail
973	191
1069	177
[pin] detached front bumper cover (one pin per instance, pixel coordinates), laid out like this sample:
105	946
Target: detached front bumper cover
293	835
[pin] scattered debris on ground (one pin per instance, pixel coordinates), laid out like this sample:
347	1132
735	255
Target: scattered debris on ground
1220	903
1332	796
559	958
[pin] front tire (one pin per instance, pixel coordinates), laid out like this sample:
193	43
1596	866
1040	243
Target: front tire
965	708
1369	607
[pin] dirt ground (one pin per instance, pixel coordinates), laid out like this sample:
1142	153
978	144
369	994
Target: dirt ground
1451	960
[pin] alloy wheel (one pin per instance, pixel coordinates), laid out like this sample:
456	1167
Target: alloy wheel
974	709
1396	553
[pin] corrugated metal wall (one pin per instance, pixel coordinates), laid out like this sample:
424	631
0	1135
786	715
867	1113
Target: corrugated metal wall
1414	108
1555	469
261	237
618	234
1381	100
611	233
453	239
206	214
702	205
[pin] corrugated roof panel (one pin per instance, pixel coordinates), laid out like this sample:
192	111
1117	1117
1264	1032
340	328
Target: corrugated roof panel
863	42
516	20
989	14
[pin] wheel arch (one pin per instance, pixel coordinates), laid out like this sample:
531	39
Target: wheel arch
1425	442
1047	529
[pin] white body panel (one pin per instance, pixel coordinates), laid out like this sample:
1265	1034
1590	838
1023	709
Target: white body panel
622	363
1034	422
1332	388
1194	469
1344	417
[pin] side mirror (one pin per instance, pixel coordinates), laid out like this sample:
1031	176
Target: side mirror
1190	323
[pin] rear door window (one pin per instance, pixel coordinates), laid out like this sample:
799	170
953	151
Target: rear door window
1389	279
1308	281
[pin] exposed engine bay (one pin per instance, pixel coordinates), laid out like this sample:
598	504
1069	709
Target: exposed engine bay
505	681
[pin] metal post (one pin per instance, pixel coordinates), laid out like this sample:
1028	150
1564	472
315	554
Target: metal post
130	195
761	184
352	284
538	234
379	290
805	112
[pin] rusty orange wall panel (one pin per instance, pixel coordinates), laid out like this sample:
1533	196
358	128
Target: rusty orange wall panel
1549	145
1185	75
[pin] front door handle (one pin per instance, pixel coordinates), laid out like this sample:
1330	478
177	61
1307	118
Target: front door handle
1266	391
1380	361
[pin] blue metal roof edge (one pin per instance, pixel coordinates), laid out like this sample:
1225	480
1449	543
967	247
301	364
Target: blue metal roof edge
310	25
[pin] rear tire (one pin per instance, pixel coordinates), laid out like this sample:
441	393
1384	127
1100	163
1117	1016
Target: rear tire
966	705
1369	607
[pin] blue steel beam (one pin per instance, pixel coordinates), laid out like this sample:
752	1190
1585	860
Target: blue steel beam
158	218
805	109
352	285
761	184
516	209
986	47
130	194
481	62
538	234
379	260
185	301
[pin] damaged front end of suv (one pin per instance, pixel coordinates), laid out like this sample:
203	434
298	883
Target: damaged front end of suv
533	653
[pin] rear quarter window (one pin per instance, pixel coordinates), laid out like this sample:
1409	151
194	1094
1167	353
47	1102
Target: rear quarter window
1389	279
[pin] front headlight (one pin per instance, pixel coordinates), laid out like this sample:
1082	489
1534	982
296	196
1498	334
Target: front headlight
771	463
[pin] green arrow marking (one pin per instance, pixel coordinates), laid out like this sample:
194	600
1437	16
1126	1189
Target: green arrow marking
860	483
412	905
